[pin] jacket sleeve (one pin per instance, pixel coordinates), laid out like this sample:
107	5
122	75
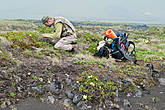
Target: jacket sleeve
57	33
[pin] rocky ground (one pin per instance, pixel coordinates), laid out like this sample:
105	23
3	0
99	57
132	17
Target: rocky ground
146	102
34	76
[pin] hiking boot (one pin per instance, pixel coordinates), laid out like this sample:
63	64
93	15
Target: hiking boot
74	48
74	42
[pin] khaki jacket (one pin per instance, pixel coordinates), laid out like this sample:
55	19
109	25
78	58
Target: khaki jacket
62	28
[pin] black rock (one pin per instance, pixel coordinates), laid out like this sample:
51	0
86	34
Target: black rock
69	94
126	102
82	105
68	81
77	98
38	90
154	74
138	93
75	86
56	87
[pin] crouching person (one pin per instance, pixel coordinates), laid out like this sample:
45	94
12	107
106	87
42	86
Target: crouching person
64	30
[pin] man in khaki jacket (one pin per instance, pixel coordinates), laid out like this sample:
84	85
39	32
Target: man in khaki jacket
64	30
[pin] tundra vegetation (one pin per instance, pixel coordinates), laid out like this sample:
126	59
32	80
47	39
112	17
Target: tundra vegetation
27	60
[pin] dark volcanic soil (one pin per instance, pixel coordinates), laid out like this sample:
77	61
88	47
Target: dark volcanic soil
144	103
152	99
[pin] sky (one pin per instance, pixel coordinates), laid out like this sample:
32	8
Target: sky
141	11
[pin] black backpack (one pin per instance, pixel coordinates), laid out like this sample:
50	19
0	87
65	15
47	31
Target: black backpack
118	49
103	52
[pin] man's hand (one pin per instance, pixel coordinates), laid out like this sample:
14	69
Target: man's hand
48	35
43	35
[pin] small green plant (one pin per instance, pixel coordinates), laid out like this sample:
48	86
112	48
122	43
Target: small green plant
130	105
100	66
84	52
38	55
28	52
76	62
52	55
40	85
69	107
93	48
127	66
41	44
92	63
35	78
45	30
113	67
4	58
49	73
59	54
131	89
12	95
10	70
83	62
13	61
13	84
121	71
155	99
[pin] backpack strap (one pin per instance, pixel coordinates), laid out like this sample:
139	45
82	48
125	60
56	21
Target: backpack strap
133	51
123	51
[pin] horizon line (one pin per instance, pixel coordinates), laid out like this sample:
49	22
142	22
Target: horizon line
108	21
